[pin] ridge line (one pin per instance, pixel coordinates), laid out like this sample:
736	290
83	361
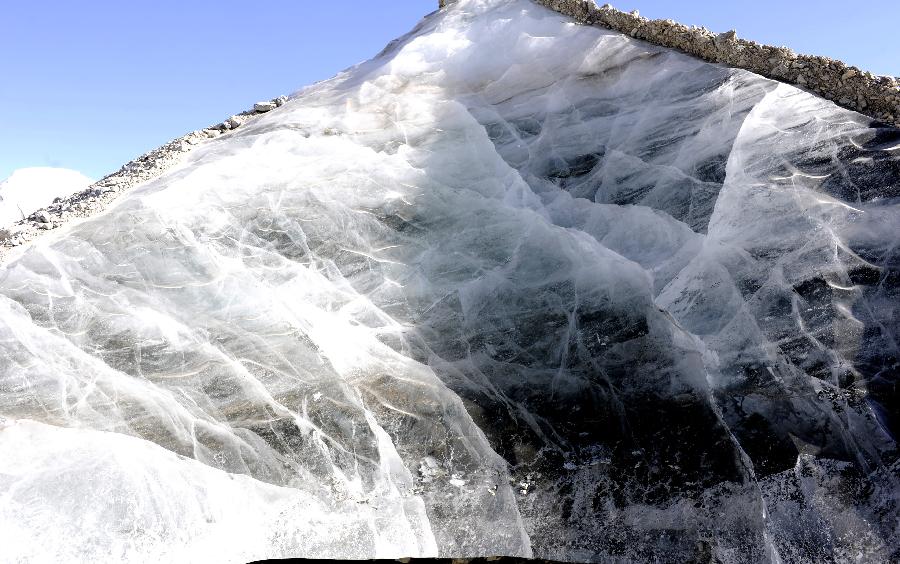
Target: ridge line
847	86
100	194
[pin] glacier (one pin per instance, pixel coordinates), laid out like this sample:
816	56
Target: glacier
515	286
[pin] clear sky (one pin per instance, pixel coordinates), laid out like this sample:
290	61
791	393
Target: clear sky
90	85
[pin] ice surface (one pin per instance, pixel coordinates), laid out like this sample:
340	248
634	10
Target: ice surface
514	286
143	503
30	189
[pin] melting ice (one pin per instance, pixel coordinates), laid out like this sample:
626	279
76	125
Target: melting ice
514	286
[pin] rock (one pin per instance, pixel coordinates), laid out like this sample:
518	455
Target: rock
849	74
279	101
234	122
263	107
726	37
41	216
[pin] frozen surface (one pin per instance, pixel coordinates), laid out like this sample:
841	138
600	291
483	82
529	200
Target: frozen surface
30	189
515	286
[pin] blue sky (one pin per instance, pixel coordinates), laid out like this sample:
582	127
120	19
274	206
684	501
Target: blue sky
90	85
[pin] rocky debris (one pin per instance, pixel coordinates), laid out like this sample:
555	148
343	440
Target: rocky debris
234	122
850	87
41	216
98	195
726	38
262	107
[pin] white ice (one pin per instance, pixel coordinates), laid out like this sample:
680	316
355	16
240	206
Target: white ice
514	286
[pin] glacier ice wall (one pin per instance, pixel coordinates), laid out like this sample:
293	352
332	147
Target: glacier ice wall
514	286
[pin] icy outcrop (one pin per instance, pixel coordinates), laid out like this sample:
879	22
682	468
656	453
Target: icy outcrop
515	286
